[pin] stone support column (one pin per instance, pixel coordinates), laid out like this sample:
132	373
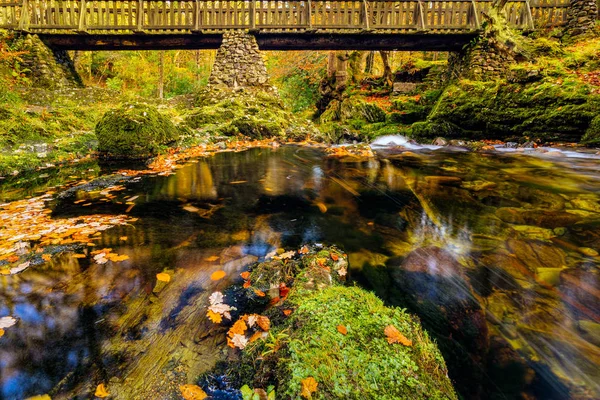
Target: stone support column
581	16
239	62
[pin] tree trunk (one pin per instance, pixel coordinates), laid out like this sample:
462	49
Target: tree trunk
370	62
161	75
387	69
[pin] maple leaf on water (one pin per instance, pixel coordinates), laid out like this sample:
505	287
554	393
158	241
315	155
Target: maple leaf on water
395	336
216	298
214	317
192	392
101	391
239	341
309	386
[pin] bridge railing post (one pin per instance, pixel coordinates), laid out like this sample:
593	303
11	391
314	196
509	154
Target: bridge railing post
140	15
529	15
24	21
420	16
309	13
197	18
82	15
253	14
366	16
475	15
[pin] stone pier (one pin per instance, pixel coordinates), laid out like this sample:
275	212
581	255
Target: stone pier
581	16
239	62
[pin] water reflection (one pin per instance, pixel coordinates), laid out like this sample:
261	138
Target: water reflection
496	254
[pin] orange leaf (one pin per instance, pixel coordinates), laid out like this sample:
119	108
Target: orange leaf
303	250
256	336
287	312
220	274
46	257
12	258
211	258
192	392
214	317
259	293
245	275
79	255
283	290
164	277
309	386
246	284
395	336
1	332
342	329
334	257
239	328
264	323
101	391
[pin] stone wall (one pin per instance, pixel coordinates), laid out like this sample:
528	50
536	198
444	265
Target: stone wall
239	62
581	16
49	69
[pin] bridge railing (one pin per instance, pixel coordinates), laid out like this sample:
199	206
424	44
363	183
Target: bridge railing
118	16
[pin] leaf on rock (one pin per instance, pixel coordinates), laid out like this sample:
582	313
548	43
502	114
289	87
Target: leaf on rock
163	277
217	275
342	329
239	328
216	298
309	386
192	392
1	332
395	336
245	275
214	317
263	322
7	322
101	391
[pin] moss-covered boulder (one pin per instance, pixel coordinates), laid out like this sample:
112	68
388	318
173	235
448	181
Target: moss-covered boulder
592	135
336	335
134	131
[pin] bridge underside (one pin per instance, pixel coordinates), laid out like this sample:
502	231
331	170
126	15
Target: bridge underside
266	41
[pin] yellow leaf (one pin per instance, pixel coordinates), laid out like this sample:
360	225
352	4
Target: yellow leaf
212	258
46	257
214	317
259	293
40	397
192	392
264	322
395	336
79	256
342	329
164	277
220	274
101	391
322	207
1	332
309	386
123	238
239	328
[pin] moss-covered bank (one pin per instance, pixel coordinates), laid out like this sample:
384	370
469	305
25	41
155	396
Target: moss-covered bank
336	335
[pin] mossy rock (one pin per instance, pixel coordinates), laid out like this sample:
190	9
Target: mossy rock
357	364
352	108
134	131
592	135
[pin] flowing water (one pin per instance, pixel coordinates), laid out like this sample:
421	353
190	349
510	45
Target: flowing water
496	253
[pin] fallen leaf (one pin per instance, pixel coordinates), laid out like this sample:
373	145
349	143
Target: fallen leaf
1	332
12	259
237	182
246	284
309	386
212	258
245	275
322	207
395	336
239	341
287	312
129	208
214	317
342	329
216	298
40	397
79	255
259	293
217	275
334	257
239	328
46	257
192	392
258	335
303	250
164	277
283	290
101	391
123	238
191	209
264	323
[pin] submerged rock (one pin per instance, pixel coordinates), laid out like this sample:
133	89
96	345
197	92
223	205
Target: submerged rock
134	131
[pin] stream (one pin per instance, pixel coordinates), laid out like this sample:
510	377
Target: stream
497	253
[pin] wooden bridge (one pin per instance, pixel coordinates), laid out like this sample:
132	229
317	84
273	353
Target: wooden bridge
308	24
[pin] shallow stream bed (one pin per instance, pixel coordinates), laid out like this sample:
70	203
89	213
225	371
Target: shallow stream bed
496	253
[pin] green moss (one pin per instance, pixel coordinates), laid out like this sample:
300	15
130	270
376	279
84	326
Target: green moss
134	131
358	365
592	135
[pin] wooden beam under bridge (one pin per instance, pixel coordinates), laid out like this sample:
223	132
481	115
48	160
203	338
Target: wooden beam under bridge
266	41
